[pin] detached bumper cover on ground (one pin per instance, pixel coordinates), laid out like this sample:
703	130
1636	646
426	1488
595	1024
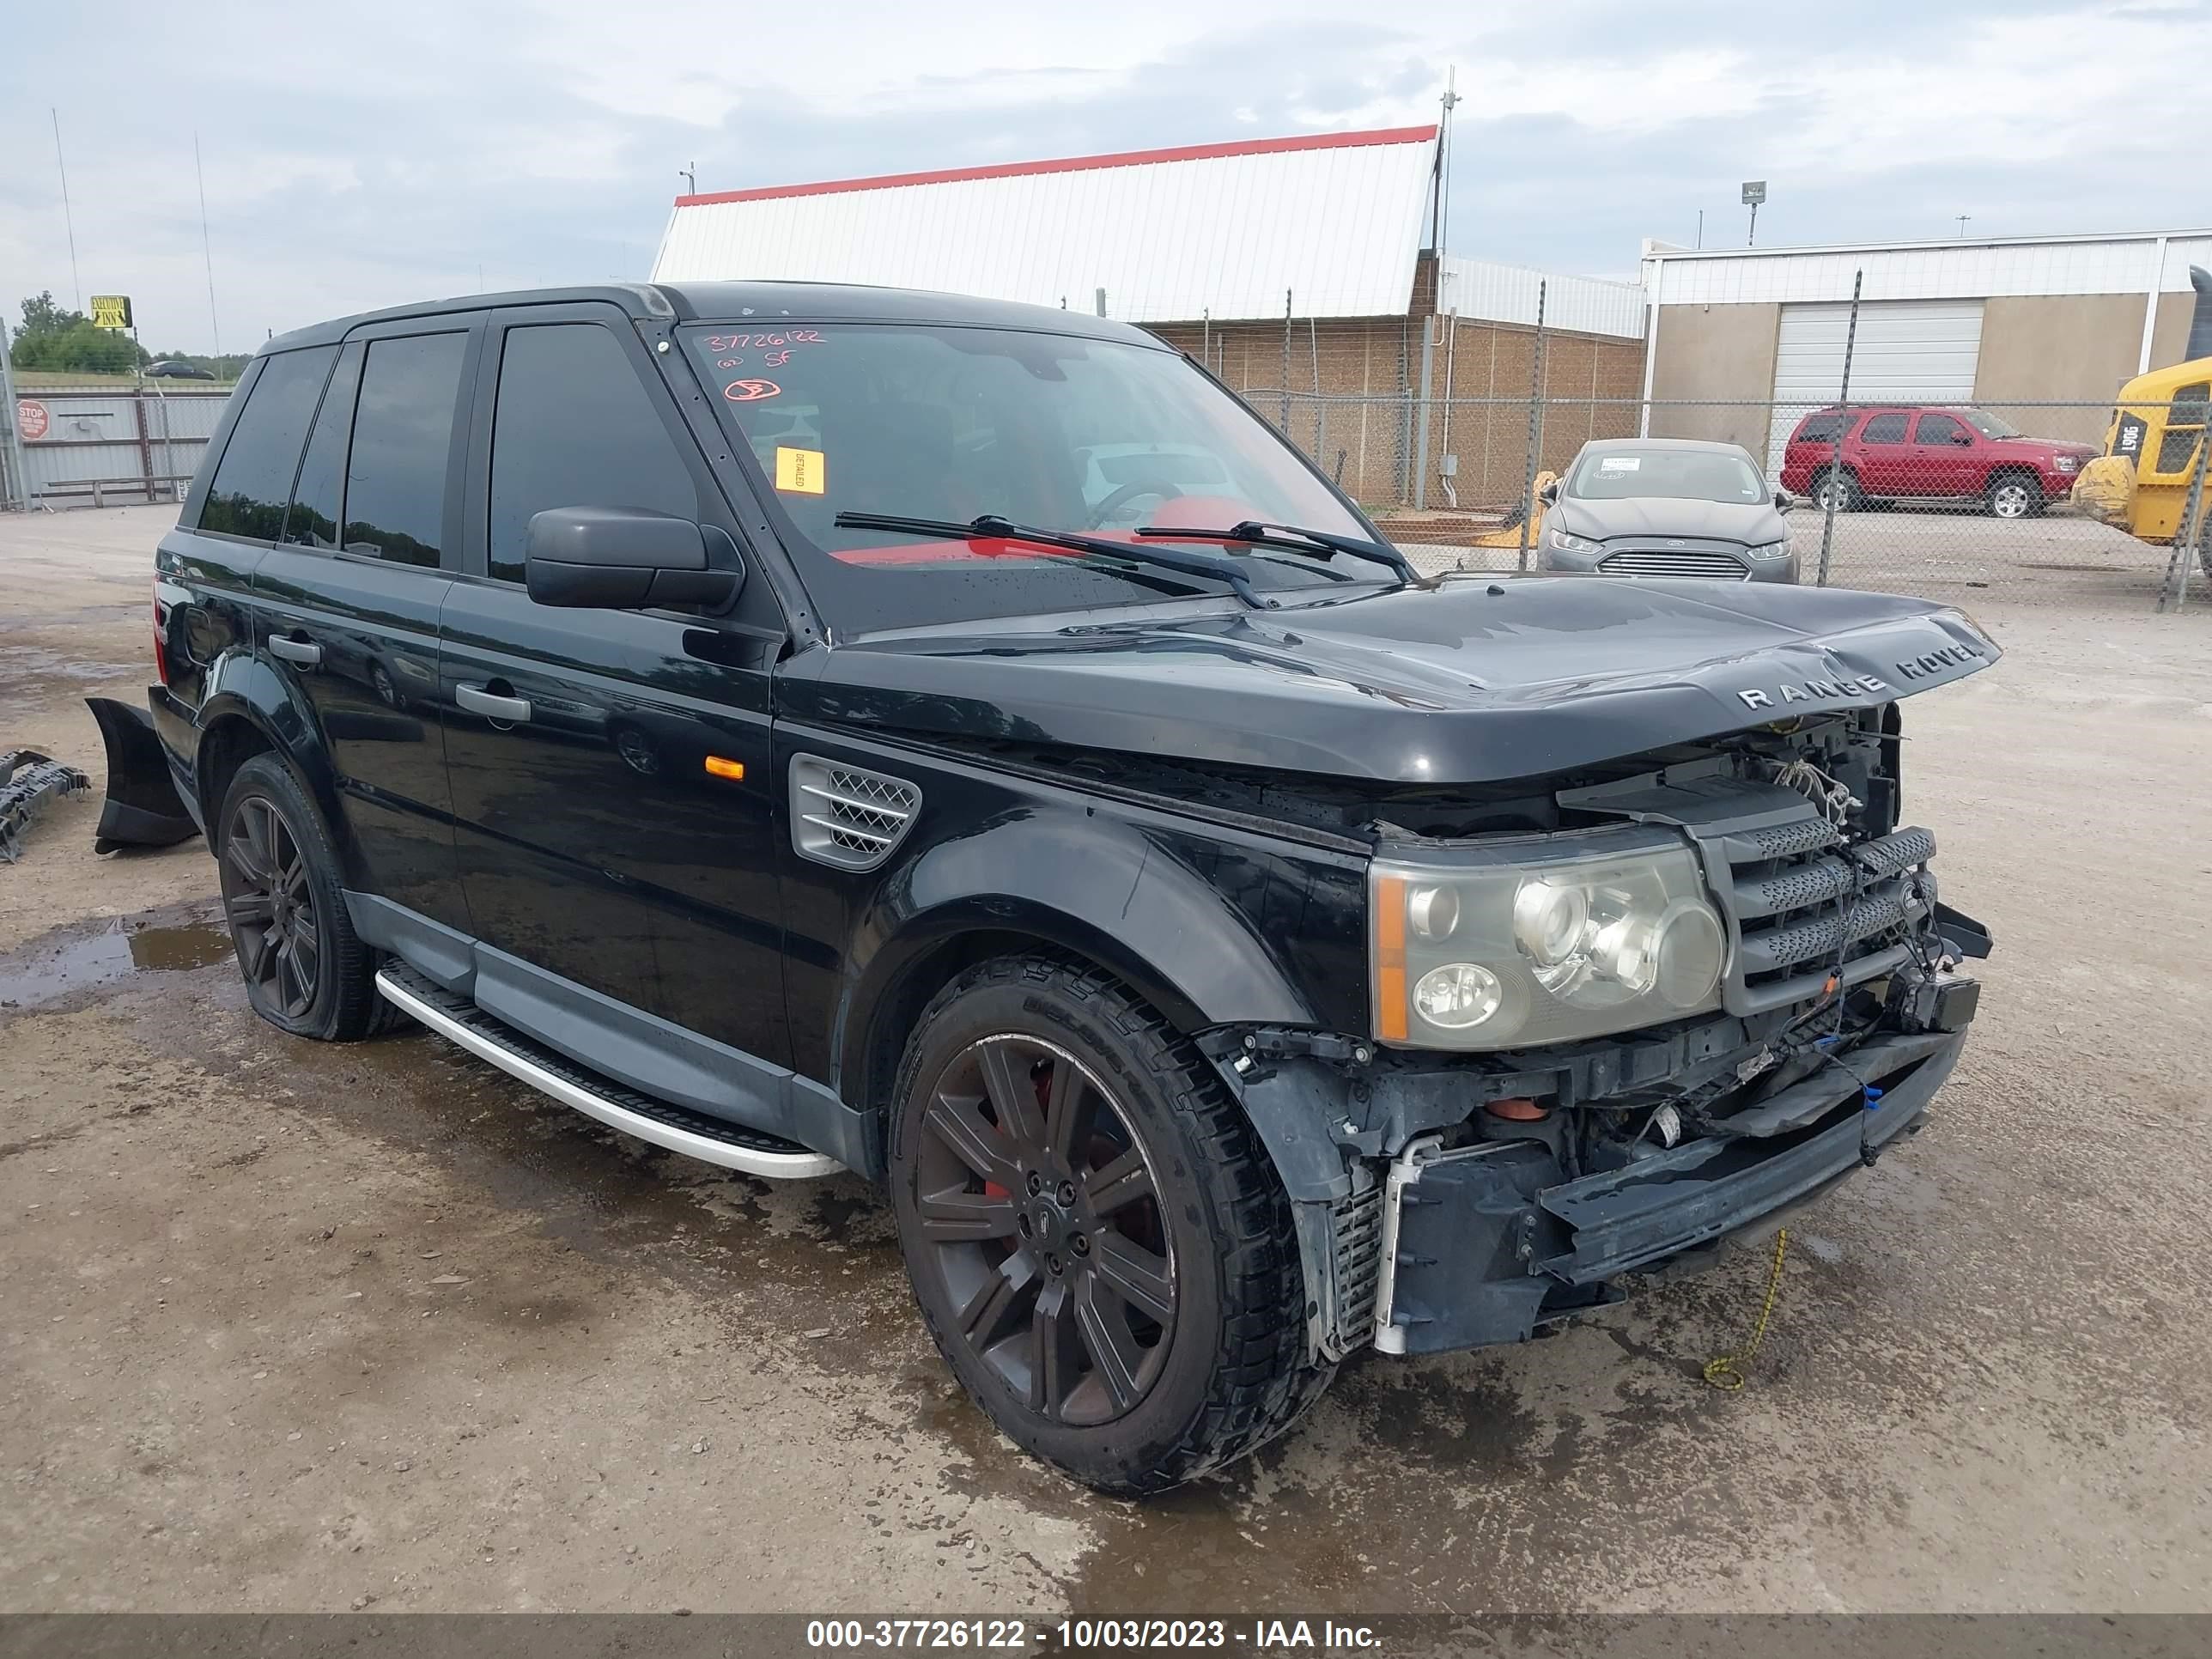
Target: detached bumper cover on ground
143	808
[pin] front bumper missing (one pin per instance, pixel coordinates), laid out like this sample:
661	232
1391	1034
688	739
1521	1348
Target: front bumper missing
1485	1243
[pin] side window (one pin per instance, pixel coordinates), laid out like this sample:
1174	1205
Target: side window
2185	425
1884	429
253	480
1941	430
403	434
574	426
1820	428
318	497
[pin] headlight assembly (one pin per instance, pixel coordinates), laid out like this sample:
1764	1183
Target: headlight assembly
1770	550
1566	541
1542	940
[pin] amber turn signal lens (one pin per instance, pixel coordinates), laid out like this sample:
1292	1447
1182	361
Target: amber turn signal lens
1389	925
725	769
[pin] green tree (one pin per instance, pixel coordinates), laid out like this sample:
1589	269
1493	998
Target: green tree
43	315
80	348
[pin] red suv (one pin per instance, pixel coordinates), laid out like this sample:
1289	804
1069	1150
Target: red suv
1892	450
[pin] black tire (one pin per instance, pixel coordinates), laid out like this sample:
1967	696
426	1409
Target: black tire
1850	498
305	969
2014	496
1226	1371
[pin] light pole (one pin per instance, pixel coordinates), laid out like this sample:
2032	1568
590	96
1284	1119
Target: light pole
1754	192
690	177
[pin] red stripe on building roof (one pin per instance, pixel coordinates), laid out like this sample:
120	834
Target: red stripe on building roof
1132	158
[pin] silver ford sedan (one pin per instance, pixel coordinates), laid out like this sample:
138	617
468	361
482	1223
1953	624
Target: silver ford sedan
1667	507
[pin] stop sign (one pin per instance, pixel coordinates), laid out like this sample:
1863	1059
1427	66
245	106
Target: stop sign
32	419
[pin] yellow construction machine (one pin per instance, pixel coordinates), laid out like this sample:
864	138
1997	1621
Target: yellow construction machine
2155	448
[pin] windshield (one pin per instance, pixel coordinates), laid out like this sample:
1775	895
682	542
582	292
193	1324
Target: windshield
1682	475
1046	430
1990	426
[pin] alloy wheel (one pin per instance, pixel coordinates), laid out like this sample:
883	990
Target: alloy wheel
271	908
2009	501
1039	1216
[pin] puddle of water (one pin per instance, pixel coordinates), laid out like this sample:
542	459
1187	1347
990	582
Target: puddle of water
74	960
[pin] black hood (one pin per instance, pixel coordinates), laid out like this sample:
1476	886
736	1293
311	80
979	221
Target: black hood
1463	680
1752	524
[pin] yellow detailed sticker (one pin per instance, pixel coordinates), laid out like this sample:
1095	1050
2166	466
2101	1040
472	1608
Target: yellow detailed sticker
798	470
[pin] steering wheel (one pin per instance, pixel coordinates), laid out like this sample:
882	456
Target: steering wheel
1118	499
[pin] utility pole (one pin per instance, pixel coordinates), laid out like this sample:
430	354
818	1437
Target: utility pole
1962	218
1440	205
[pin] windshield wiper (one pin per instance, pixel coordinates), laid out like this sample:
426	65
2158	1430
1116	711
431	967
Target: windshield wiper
1186	565
1296	539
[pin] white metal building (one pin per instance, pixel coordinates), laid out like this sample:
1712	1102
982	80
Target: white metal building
1333	220
1330	223
1484	290
1993	320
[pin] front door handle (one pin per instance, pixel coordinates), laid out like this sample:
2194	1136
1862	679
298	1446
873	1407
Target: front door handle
478	701
305	652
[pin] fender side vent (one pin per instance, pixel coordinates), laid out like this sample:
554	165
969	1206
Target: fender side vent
843	816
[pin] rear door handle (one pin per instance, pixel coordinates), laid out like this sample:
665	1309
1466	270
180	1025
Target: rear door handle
305	652
491	705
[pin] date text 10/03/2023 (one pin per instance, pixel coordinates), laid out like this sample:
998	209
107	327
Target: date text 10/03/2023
1258	1635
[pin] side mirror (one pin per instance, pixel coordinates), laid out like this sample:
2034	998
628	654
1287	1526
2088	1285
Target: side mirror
1782	500
622	558
1549	495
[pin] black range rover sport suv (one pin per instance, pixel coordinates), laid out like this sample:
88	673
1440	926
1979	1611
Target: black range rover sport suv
814	727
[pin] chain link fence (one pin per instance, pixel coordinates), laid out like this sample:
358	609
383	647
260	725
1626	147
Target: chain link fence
1938	500
1447	434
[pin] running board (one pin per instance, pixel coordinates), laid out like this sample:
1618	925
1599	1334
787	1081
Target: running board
710	1139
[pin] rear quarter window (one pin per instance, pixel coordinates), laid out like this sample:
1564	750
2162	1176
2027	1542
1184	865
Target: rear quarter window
398	470
252	482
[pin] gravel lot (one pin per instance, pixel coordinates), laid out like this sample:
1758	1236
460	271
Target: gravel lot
294	1326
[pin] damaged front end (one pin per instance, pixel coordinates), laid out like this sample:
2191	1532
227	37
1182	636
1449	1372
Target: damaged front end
1720	984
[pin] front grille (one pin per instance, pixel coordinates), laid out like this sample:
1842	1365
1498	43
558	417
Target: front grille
1673	562
1800	913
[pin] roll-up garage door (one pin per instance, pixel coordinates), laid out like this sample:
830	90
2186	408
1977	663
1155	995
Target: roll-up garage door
1907	351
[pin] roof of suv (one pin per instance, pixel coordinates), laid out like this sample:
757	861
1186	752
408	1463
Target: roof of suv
1705	445
1887	409
688	302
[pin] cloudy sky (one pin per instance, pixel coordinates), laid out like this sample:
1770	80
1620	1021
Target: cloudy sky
417	149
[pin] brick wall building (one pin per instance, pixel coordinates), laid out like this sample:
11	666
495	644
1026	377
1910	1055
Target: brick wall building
1347	389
